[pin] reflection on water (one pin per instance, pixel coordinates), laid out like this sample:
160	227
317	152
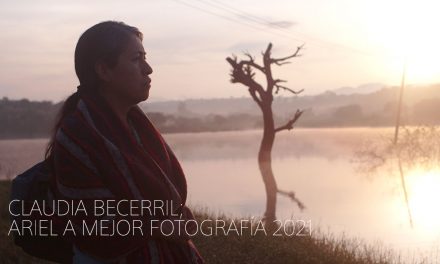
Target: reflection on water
424	193
315	163
223	175
326	143
18	155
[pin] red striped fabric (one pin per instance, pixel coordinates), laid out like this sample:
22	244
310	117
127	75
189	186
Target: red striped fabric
95	157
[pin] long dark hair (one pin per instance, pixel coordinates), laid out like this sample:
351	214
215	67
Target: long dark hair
102	42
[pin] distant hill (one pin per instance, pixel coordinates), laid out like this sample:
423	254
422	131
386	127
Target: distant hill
362	89
320	104
27	119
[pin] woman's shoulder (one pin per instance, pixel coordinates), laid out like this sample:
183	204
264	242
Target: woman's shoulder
74	126
72	122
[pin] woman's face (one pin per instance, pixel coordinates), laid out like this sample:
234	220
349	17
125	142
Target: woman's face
129	80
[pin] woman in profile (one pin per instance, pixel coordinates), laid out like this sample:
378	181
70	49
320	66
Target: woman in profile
105	148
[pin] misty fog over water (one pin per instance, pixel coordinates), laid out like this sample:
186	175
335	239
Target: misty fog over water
223	176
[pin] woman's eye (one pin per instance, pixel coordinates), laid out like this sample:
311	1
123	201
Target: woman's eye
139	58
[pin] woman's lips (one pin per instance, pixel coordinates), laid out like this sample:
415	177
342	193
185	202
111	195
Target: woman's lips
148	83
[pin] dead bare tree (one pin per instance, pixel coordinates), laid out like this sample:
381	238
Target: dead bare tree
243	72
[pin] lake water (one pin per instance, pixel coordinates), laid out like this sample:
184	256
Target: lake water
222	174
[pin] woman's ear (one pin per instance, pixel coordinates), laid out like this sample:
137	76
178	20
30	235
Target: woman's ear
103	71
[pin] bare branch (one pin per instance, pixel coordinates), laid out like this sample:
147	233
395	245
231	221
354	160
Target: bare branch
253	93
253	64
232	61
279	81
287	89
268	70
289	125
238	74
280	61
247	54
268	50
242	73
248	71
292	196
283	63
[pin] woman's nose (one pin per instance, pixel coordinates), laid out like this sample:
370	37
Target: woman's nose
147	69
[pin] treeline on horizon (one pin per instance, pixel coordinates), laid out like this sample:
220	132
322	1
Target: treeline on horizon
34	119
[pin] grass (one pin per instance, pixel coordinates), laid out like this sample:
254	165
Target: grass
247	248
308	249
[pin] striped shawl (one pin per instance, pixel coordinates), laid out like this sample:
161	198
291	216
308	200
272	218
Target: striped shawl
95	157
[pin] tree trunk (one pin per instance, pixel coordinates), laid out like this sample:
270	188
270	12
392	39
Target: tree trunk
265	163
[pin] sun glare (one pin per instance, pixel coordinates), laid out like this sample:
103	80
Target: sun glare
407	30
424	196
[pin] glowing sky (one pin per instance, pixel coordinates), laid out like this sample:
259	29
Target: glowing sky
347	42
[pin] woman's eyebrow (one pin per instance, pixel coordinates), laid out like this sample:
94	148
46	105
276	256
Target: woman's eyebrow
139	53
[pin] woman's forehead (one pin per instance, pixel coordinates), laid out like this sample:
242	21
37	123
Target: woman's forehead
134	45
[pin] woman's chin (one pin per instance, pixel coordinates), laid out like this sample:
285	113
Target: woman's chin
145	96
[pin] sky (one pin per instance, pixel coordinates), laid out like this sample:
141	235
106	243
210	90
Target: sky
347	43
